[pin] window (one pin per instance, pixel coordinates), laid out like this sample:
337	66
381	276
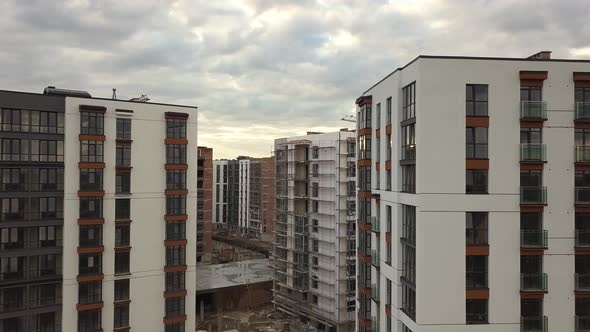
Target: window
90	292
174	281
176	179
46	150
477	142
408	142
175	154
175	205
123	182
388	112
476	99
531	135
14	149
530	93
315	245
91	179
476	227
122	234
314	227
378	116
174	307
409	223
409	102
121	262
364	116
175	255
476	268
476	181
409	301
91	151
12	208
90	207
91	123
531	178
12	238
14	120
315	188
121	289
387	147
89	321
123	209
46	179
46	208
121	318
178	327
315	152
314	283
315	206
124	129
176	230
14	179
314	299
409	178
90	264
123	158
90	235
476	311
364	147
175	128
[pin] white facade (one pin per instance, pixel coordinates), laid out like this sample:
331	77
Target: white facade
244	196
314	250
441	201
220	192
147	211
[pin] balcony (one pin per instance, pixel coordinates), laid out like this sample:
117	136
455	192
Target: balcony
536	195
533	282
533	152
582	153
533	239
582	111
533	110
534	324
582	323
375	293
583	282
582	238
375	225
375	258
582	195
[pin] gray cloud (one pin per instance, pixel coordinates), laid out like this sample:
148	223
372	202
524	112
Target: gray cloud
260	69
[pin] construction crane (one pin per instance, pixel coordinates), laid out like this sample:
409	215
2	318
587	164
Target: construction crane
349	118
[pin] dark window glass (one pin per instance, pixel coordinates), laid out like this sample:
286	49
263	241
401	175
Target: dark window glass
121	318
47	150
90	235
178	327
175	128
13	208
14	149
476	99
15	179
174	307
530	93
531	136
46	179
176	179
176	230
409	102
90	264
123	182
91	151
409	178
175	255
124	129
582	178
123	157
409	301
90	207
388	112
176	205
408	142
91	123
175	281
531	178
123	209
91	179
122	235
476	181
121	262
121	289
582	136
46	208
90	292
582	95
476	272
476	227
476	311
364	116
409	223
89	321
476	142
176	154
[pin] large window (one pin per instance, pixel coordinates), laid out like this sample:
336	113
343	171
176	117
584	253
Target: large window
175	255
12	120
46	179
176	230
476	142
476	99
14	149
14	179
175	128
122	182
476	181
476	268
90	292
531	135
364	116
122	235
123	209
91	123
388	112
178	327
13	208
46	208
176	154
409	102
91	179
409	178
476	228
89	321
476	311
90	235
90	264
124	129
91	151
121	289
174	281
123	156
408	142
174	307
364	147
90	207
47	150
121	262
176	205
121	318
530	93
176	179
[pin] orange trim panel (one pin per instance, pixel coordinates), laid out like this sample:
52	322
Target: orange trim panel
92	137
93	277
91	250
477	294
180	141
533	75
87	307
532	295
175	217
175	268
477	121
176	166
531	124
170	192
174	320
365	132
477	250
180	293
388	165
172	243
90	165
97	221
477	164
86	193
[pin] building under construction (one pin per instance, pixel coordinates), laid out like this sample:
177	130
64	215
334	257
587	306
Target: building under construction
314	249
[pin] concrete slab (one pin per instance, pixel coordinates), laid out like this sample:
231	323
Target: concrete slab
210	277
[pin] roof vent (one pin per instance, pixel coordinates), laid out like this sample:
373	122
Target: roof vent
53	91
543	55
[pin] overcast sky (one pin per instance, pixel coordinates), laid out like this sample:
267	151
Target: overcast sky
262	69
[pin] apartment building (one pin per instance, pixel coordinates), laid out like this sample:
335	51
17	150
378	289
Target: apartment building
243	194
204	202
314	257
473	213
262	198
220	194
72	257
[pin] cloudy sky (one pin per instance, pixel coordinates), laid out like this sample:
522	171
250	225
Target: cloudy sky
261	69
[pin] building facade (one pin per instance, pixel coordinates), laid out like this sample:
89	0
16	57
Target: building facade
220	194
108	270
314	249
204	203
472	207
262	198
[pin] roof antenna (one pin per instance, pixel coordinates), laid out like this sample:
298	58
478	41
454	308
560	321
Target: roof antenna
114	93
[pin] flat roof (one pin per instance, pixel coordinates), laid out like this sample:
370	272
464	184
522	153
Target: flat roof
460	57
210	277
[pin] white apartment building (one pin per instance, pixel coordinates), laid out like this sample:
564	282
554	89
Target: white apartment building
220	194
314	250
473	205
244	195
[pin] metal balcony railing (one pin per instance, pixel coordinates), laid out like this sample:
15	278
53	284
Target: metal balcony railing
375	224
583	281
534	324
536	195
533	110
582	238
582	195
533	152
533	282
375	258
582	110
582	153
533	239
582	323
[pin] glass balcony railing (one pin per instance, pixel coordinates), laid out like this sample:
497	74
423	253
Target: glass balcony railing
375	258
582	110
533	282
533	239
582	238
582	323
533	152
533	110
534	324
583	281
375	225
582	153
582	195
536	195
